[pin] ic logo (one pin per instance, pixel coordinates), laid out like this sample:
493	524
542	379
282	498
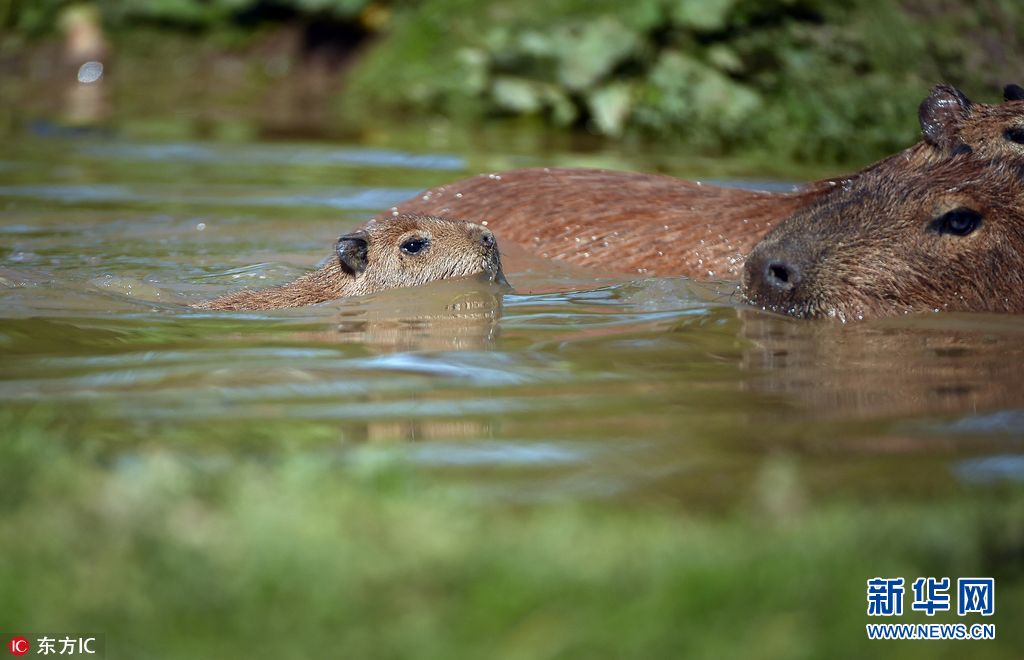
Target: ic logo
18	645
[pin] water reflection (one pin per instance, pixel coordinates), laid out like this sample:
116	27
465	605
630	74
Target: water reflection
912	366
443	316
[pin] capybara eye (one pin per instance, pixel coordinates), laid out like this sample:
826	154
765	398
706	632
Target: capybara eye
1015	134
414	245
958	222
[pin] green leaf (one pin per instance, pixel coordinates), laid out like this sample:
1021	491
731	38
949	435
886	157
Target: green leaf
702	15
589	53
610	107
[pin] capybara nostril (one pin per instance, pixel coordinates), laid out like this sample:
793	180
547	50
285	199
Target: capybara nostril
781	275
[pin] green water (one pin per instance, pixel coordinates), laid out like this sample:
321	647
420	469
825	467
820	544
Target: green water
176	464
571	386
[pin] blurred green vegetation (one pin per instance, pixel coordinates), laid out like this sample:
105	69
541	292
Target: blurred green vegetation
802	80
36	17
194	552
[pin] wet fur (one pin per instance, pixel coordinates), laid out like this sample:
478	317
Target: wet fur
629	223
624	222
617	222
865	250
869	250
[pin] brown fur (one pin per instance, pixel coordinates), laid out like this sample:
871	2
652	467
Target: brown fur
982	129
873	248
456	249
626	222
619	222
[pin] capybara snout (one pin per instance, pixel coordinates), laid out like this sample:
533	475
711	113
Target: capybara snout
777	273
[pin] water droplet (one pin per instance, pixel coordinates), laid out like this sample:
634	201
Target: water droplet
90	72
201	226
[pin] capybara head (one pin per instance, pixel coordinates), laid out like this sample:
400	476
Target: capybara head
952	124
409	250
949	236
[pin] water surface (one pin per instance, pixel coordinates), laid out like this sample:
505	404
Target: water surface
572	386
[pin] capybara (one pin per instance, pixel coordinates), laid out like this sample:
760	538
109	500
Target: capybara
623	222
948	236
407	250
626	222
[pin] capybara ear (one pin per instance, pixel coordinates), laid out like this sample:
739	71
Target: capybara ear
352	251
941	114
1013	93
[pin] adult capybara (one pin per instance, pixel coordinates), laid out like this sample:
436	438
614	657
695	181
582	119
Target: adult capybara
948	236
407	250
626	222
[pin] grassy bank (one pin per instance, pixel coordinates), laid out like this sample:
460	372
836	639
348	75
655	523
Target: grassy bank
796	80
281	555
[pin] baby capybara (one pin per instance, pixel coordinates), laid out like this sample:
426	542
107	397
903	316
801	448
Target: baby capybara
408	250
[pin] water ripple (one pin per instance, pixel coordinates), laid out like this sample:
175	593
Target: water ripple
287	155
